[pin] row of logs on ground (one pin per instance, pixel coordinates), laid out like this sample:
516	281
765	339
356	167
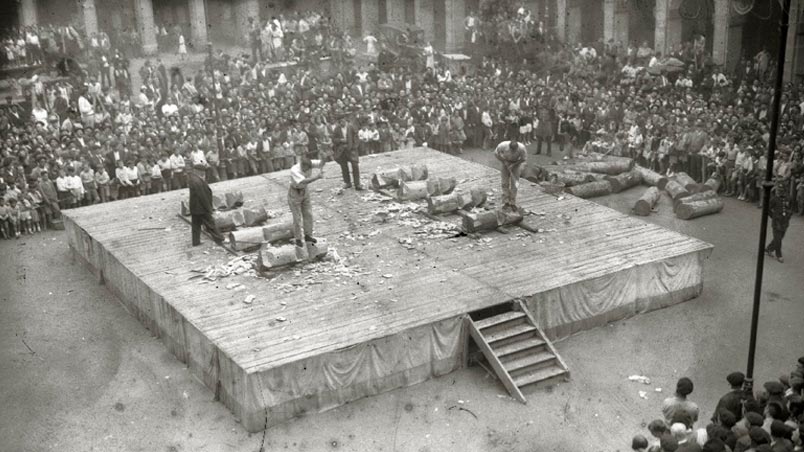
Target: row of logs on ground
443	197
615	174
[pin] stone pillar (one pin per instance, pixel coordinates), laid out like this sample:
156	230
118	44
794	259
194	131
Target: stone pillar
370	16
720	36
561	20
89	16
245	9
455	16
608	20
425	18
621	24
144	11
792	53
396	12
27	12
198	24
668	26
343	14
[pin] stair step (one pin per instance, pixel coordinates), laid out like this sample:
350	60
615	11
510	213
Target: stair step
498	319
538	375
510	332
528	360
518	346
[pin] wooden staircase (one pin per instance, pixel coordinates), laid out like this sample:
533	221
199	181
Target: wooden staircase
517	349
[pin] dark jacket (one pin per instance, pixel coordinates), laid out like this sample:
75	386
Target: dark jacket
780	211
200	195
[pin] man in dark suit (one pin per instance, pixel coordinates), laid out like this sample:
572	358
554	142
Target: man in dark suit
781	209
201	206
346	153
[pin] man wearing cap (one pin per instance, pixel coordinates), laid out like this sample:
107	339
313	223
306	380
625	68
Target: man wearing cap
780	211
299	198
201	205
733	400
512	156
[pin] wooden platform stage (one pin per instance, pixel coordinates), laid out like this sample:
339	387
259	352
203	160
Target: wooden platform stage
391	312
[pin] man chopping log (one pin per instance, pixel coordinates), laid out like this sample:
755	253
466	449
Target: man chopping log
301	175
780	211
513	157
201	206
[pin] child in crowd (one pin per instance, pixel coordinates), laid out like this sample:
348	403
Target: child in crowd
102	184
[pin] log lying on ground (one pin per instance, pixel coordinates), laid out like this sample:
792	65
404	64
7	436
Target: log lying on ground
676	190
441	186
476	198
491	220
185	209
245	239
278	231
686	181
702	196
647	201
591	189
712	184
229	220
253	217
219	202
610	167
624	181
234	199
688	211
651	177
565	175
281	256
392	177
445	203
412	191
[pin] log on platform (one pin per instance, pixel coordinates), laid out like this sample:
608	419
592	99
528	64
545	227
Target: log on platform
445	203
702	196
391	178
412	191
647	201
272	258
438	186
278	231
688	211
712	184
234	199
255	216
491	220
228	220
675	190
591	189
624	181
610	167
651	177
246	239
686	181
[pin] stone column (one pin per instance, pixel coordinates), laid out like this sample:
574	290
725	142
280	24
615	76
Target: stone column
89	15
455	16
668	26
791	56
198	24
425	18
720	36
561	20
621	24
608	20
343	14
370	16
396	12
27	12
144	11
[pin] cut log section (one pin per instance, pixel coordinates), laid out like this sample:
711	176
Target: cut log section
445	203
491	220
278	231
651	177
686	181
219	202
234	199
702	196
412	191
477	197
229	220
610	167
591	189
647	201
690	210
414	172
676	190
624	181
391	178
246	239
712	184
253	217
441	186
283	256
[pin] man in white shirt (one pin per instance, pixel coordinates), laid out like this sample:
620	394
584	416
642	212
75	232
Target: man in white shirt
87	111
301	175
198	158
177	165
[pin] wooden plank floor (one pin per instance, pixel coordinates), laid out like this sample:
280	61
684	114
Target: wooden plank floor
397	289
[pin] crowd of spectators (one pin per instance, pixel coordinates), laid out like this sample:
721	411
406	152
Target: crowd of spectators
246	114
770	419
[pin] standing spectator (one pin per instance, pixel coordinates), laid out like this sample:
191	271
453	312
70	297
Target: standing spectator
679	403
733	400
780	212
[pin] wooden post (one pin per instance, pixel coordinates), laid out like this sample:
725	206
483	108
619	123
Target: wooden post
688	211
647	201
624	181
591	189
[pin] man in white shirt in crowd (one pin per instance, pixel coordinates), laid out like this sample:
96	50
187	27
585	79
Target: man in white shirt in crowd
177	164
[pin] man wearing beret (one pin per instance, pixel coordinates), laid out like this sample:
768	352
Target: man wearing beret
733	400
201	206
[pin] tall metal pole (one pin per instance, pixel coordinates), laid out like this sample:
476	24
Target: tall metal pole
766	191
